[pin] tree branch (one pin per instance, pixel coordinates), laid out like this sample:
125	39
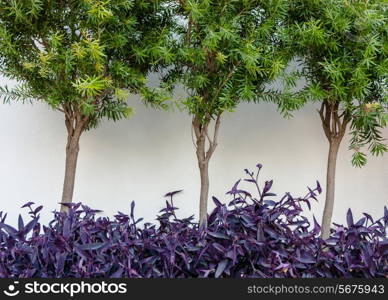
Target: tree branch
213	142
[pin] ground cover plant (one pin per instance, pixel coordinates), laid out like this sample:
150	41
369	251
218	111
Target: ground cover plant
253	235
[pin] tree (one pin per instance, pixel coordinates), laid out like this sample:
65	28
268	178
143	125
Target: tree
343	46
82	58
225	53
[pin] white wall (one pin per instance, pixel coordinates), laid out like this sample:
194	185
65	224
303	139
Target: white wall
150	154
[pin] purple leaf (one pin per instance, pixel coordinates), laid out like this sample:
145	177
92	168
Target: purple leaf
216	202
218	235
132	208
349	218
9	229
267	186
221	267
30	225
173	193
319	188
20	223
91	246
38	209
28	204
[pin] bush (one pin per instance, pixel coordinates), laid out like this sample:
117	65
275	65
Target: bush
252	236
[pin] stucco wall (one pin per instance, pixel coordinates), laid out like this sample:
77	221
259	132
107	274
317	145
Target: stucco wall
150	154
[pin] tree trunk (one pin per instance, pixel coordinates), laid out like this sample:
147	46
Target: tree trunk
203	157
330	187
72	149
334	125
75	126
203	165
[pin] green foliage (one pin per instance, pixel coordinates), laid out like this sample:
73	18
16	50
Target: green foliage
225	52
82	57
344	45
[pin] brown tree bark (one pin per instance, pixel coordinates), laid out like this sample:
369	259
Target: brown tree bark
334	125
203	157
203	165
75	125
330	187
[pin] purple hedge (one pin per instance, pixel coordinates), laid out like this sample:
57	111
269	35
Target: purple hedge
252	236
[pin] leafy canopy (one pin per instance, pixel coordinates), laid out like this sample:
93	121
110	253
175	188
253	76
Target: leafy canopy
225	52
82	57
344	46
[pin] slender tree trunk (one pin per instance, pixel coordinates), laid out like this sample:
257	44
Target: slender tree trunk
334	125
204	172
72	149
203	157
330	187
75	126
203	165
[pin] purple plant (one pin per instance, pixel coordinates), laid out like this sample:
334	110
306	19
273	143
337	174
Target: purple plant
252	236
